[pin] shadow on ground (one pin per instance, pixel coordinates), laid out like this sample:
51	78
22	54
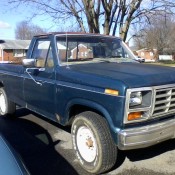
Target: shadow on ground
37	149
143	154
35	146
147	153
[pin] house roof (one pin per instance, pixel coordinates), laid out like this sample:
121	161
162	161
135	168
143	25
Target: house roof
15	44
146	49
80	45
61	47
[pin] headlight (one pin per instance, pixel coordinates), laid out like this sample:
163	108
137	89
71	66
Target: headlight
138	104
135	99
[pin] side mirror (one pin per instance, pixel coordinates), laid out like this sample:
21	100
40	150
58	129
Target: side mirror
28	62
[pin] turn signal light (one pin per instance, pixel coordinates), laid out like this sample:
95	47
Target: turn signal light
111	92
134	115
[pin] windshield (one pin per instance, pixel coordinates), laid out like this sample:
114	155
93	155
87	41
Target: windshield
92	49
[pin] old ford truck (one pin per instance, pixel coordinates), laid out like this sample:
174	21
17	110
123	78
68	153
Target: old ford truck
92	83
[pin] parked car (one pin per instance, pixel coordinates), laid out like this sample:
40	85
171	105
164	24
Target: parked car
140	59
10	162
93	83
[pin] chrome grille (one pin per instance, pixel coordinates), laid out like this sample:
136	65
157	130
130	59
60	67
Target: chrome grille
164	101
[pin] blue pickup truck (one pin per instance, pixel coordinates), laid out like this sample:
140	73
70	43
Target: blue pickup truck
92	83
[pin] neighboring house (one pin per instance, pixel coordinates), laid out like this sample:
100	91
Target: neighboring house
83	52
167	54
13	50
166	57
62	52
151	55
147	54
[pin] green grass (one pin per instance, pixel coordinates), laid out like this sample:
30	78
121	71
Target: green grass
163	63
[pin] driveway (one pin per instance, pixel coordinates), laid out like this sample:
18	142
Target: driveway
46	149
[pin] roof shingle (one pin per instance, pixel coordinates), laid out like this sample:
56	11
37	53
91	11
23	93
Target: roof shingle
15	44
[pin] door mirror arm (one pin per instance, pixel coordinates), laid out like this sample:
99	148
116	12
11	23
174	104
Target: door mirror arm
29	73
30	64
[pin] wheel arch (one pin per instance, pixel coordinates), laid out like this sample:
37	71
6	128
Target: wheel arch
77	106
1	84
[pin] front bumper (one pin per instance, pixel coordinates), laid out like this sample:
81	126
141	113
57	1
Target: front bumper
145	136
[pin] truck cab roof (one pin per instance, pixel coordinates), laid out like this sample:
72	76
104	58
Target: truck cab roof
76	33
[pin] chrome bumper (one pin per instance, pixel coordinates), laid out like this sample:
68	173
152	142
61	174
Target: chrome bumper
145	136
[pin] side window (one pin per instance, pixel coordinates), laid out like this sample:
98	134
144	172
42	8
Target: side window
43	53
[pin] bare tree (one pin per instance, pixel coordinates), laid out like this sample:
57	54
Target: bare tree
100	16
25	30
158	35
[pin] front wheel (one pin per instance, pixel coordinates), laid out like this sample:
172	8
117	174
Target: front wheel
92	142
6	106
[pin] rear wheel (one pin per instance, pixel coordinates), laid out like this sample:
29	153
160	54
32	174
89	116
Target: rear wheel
92	142
6	106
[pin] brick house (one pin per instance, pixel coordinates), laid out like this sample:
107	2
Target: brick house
62	52
83	52
13	50
148	54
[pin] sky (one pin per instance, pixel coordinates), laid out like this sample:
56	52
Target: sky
10	16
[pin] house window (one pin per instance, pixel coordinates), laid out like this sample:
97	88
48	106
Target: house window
19	53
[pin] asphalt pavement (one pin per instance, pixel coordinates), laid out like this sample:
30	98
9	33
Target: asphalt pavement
46	149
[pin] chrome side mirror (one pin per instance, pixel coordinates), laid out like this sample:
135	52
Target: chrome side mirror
28	62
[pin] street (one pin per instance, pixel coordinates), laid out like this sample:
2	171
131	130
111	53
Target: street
46	149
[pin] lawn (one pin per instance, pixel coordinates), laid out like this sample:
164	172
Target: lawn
164	63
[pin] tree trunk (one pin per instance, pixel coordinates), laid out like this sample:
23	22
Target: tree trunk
108	8
92	16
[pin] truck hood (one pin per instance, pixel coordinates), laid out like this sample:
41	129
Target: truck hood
131	74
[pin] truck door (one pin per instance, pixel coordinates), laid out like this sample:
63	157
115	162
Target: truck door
39	82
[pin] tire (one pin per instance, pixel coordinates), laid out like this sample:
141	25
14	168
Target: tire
92	142
6	106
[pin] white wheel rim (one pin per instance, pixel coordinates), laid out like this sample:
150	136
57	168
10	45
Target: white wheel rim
86	144
2	103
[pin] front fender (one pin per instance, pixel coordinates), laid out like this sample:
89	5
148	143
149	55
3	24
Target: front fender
1	84
93	105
